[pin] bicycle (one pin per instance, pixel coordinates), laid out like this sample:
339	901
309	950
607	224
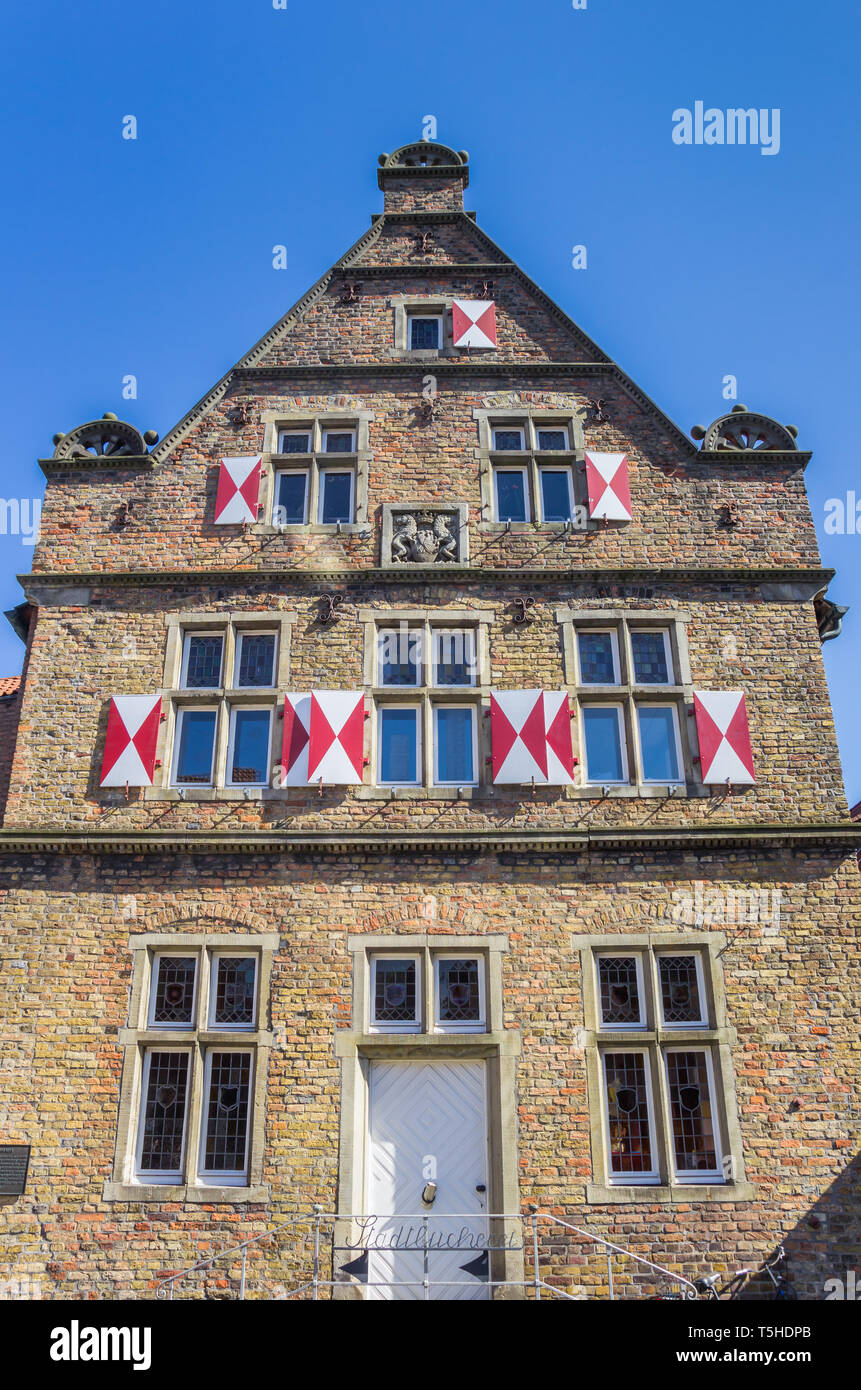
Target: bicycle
709	1286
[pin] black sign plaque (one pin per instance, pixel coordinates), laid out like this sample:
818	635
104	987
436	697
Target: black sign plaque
14	1162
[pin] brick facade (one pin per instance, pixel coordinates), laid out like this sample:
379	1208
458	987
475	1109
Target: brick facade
85	871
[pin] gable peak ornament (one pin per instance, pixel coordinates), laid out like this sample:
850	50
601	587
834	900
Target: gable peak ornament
105	438
743	431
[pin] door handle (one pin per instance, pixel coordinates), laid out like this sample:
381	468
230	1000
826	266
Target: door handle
429	1194
480	1187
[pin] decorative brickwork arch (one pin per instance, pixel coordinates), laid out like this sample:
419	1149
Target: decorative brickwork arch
205	918
427	914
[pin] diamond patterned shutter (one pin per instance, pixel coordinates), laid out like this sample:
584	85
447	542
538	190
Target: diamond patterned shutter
607	483
722	729
130	741
336	741
295	738
238	490
473	323
530	736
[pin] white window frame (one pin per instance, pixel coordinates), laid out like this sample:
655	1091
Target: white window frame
436	318
707	1176
218	1177
478	1025
157	958
181	712
620	716
555	468
508	429
417	713
323	471
462	781
678	781
215	958
470	650
242	708
293	472
614	645
338	429
668	656
696	956
241	635
623	953
292	431
413	1025
411	633
523	470
556	429
188	635
166	1176
653	1177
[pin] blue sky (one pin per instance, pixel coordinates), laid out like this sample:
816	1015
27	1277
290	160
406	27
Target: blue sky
260	126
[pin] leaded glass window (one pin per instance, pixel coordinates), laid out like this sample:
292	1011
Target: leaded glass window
459	991
399	656
173	990
454	657
680	989
226	1115
553	439
424	332
629	1127
394	986
694	1141
598	657
165	1089
294	442
620	990
256	665
651	660
202	666
235	983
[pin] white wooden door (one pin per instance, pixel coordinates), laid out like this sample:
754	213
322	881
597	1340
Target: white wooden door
427	1123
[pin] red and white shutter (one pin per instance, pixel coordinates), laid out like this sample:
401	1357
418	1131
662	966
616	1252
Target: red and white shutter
530	737
609	490
724	736
473	323
295	739
336	742
238	490
130	741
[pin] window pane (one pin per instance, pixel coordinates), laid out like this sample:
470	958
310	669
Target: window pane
250	760
203	664
335	442
398	746
603	745
174	989
596	658
680	991
299	443
256	659
164	1112
234	989
553	439
424	333
227	1112
620	991
196	746
628	1113
650	658
507	439
459	998
510	496
290	499
454	752
658	743
555	495
693	1123
400	657
394	991
336	497
454	654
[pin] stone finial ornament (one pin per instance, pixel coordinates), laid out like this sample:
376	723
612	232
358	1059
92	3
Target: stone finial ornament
743	431
102	439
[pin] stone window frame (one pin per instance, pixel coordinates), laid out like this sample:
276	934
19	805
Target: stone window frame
199	1039
628	694
717	1038
530	419
405	306
225	697
426	695
315	421
356	1048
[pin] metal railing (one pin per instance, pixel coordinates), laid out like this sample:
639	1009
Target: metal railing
539	1240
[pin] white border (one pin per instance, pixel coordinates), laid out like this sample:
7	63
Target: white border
378	761
177	742
523	470
461	781
215	958
477	1025
224	1177
709	1176
413	1025
168	1176
620	717
642	1179
678	781
246	709
187	636
622	954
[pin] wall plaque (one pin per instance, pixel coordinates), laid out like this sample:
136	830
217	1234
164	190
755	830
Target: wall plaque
14	1162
